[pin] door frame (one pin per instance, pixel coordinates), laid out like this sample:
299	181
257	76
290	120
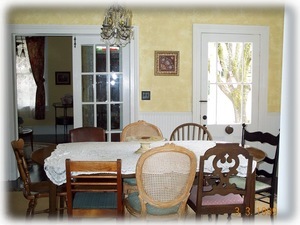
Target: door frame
72	30
263	31
11	131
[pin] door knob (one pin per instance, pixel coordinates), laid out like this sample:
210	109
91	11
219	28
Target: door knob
204	117
229	129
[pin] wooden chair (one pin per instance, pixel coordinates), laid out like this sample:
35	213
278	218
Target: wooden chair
266	181
164	176
33	191
190	131
97	194
131	132
83	134
215	193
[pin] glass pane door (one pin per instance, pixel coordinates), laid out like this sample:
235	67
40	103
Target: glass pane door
229	83
101	79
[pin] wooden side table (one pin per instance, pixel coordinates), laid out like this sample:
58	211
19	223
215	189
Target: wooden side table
63	119
27	132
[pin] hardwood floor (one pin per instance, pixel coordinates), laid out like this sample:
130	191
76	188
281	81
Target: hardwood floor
17	206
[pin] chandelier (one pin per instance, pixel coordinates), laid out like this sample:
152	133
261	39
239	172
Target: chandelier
116	27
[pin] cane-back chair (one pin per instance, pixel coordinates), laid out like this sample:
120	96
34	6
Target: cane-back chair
133	132
164	177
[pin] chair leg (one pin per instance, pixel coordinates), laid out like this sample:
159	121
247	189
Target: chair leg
229	216
61	206
31	206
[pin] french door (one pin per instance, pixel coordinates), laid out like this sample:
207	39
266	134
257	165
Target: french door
228	70
100	85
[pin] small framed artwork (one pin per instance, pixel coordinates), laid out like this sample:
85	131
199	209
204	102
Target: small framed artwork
62	78
166	63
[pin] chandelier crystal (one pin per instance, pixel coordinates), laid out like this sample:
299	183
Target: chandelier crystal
116	27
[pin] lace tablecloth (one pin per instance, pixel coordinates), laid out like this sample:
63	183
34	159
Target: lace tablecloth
109	151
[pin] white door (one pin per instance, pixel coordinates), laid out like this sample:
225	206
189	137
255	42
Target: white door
229	83
100	85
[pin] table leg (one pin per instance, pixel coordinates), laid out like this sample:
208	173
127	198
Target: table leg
52	200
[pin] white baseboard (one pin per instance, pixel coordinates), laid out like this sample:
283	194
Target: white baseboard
166	121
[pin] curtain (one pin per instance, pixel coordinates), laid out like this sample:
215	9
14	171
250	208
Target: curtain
35	46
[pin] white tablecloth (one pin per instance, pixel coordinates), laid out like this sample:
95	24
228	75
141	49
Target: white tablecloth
89	151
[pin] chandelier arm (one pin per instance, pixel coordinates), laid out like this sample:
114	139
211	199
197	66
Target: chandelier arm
116	28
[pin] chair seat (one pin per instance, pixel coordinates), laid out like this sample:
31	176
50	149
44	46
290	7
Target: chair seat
91	200
134	202
130	181
216	199
240	183
41	187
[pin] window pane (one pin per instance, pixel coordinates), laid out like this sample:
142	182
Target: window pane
116	85
88	115
102	116
87	88
225	110
213	64
101	88
87	59
115	62
116	110
247	92
26	86
100	58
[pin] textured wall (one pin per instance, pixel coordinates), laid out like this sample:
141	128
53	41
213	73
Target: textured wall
171	29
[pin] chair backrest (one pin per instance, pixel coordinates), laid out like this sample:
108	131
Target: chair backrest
224	161
262	138
190	131
96	186
165	176
18	148
138	130
85	134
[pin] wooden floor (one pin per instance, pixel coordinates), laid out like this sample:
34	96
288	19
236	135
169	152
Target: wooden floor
17	205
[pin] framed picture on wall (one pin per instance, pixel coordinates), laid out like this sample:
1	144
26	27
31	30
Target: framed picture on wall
62	78
166	63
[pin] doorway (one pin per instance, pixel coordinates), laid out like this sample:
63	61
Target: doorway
57	60
11	133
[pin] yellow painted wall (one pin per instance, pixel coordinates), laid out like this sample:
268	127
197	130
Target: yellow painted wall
60	59
171	29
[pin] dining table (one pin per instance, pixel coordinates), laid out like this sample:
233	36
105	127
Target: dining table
53	158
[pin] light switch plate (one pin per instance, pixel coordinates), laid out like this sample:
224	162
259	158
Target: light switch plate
145	95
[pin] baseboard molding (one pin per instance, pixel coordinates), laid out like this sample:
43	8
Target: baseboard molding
166	121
